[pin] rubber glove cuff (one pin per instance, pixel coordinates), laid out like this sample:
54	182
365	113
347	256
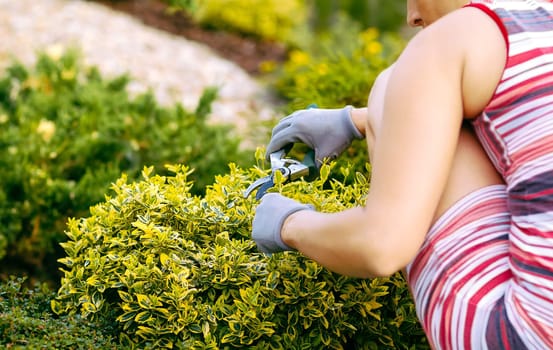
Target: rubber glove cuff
270	216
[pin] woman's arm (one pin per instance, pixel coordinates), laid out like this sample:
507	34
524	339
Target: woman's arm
358	117
423	111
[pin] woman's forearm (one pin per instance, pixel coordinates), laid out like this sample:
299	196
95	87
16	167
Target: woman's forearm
342	242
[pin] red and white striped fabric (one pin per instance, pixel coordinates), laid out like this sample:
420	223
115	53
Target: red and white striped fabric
462	270
484	276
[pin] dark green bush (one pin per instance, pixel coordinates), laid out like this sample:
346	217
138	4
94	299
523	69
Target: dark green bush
27	322
67	134
180	271
385	15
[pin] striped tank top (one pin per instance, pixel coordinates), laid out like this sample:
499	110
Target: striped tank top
483	279
516	130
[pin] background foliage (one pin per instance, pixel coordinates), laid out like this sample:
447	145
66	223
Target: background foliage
284	20
386	16
334	78
27	322
67	134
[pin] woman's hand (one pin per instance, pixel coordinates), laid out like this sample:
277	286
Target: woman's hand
327	131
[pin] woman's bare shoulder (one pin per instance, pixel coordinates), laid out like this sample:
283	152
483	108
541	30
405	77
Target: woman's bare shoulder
474	40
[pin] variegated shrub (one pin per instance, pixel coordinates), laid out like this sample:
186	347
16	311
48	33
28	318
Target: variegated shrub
175	270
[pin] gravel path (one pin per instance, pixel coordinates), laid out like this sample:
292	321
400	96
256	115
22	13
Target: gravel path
175	69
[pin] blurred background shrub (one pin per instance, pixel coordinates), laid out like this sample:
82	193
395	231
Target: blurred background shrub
271	20
332	77
385	15
27	322
67	134
282	20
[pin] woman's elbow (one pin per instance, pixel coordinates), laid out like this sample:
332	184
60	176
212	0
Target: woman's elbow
387	259
383	268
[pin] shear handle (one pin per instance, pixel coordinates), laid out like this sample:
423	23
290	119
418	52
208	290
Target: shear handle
276	159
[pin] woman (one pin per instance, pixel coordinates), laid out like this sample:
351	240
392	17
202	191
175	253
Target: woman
478	254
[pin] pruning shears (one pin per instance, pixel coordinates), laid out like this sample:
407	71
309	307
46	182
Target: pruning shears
291	169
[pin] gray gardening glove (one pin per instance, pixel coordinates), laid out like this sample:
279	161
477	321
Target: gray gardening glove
327	131
269	218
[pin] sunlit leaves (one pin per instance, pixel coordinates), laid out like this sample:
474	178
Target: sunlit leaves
181	271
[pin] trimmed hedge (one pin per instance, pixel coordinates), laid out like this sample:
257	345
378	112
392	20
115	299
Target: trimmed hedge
174	270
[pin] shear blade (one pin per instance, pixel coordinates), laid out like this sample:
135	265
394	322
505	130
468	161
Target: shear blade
258	183
263	188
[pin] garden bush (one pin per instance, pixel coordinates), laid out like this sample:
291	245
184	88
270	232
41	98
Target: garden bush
337	71
67	134
27	322
272	20
175	270
284	20
386	16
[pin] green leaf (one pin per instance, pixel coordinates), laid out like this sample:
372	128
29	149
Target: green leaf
324	172
142	317
164	259
146	332
127	316
143	301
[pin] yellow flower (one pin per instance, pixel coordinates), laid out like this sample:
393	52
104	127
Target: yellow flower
300	81
46	129
135	145
299	58
322	69
373	48
370	34
33	83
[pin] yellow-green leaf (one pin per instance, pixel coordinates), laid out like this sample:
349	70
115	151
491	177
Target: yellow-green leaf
143	301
